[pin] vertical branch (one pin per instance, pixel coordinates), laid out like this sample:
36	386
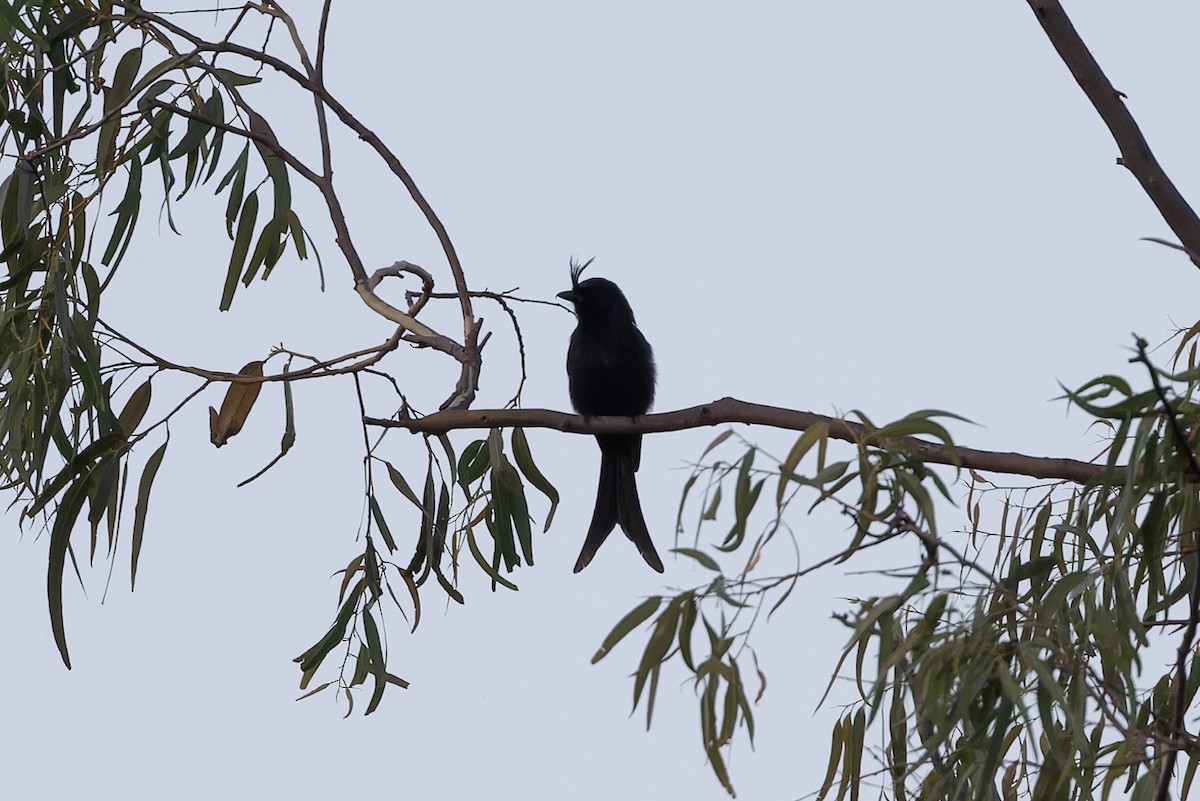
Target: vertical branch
1135	151
1176	731
469	354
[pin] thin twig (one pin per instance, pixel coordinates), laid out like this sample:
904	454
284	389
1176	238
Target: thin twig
1181	442
325	368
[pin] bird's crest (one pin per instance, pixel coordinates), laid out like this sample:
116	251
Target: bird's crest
577	270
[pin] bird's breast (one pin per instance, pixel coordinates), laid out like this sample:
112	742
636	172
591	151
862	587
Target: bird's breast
610	373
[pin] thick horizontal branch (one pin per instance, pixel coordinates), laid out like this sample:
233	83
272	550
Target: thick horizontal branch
731	410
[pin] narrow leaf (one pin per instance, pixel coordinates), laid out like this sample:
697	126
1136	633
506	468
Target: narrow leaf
638	615
60	540
525	462
241	247
142	505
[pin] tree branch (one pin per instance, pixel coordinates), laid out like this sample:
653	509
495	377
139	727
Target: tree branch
1176	732
1135	151
311	79
731	410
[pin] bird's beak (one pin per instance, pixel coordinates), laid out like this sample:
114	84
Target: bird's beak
568	296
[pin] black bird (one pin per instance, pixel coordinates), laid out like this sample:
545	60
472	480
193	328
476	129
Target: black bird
610	371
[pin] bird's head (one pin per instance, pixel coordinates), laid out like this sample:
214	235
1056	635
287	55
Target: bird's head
596	299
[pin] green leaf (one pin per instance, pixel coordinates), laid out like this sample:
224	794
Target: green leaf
401	484
787	472
525	461
153	90
378	660
118	93
135	409
920	424
441	526
381	523
18	208
313	692
236	180
151	79
506	484
310	659
504	498
416	597
241	246
106	145
700	556
657	647
710	512
683	496
854	753
197	130
234	79
836	744
60	541
126	213
744	499
472	463
142	505
1054	601
214	110
267	250
104	446
276	168
493	574
638	615
724	435
687	620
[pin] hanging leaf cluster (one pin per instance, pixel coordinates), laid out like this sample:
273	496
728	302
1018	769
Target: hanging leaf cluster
103	114
1012	660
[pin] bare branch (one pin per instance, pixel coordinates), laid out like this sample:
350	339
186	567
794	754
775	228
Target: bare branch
732	410
406	320
367	358
311	79
1109	103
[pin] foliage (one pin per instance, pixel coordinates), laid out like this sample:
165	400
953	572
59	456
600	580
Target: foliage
97	104
1017	659
494	499
109	108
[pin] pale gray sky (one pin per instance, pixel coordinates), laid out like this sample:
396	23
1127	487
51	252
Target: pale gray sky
826	206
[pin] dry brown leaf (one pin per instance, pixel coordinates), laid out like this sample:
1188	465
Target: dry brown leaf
239	400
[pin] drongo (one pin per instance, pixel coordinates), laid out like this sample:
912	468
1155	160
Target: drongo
610	371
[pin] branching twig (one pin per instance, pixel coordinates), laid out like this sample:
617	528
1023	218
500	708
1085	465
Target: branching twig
367	357
502	299
310	79
1177	434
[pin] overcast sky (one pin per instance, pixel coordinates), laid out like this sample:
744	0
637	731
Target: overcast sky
826	206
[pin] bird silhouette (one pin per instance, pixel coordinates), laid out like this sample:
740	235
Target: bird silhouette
610	371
